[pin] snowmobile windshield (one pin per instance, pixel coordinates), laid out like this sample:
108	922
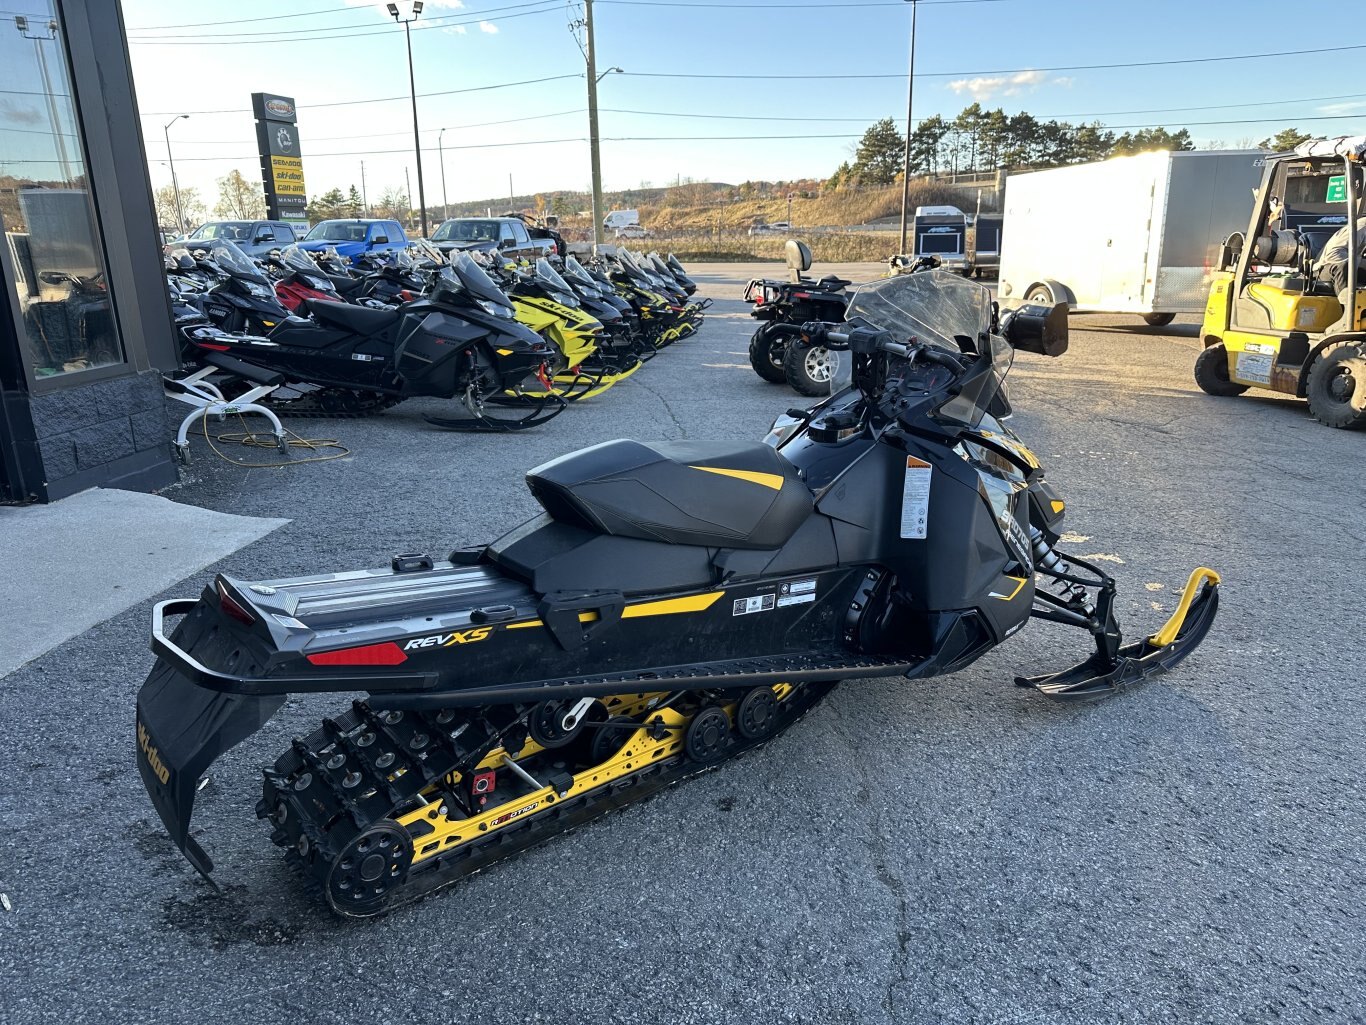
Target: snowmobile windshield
551	280
936	308
296	259
677	267
424	250
473	279
232	260
574	271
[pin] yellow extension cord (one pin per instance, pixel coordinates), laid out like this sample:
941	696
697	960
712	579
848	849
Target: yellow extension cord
250	439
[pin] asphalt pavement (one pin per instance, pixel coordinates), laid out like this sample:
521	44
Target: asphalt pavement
948	851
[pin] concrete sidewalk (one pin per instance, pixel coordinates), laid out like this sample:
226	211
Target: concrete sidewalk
68	566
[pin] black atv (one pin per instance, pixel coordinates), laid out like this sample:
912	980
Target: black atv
807	368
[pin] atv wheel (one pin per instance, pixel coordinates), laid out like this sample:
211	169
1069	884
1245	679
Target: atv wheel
1337	386
1158	319
809	368
1211	373
766	356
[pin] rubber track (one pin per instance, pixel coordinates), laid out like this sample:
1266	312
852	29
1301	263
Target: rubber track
331	815
355	404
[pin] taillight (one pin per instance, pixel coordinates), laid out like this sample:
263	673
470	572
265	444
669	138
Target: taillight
385	654
215	348
232	607
801	295
759	299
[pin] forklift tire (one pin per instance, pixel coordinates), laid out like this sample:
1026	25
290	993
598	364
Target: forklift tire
1336	387
766	358
1211	373
1158	319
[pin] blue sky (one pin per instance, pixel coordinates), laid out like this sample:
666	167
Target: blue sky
996	52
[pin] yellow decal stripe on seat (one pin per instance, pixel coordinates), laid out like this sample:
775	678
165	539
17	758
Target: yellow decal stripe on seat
671	606
1172	627
768	480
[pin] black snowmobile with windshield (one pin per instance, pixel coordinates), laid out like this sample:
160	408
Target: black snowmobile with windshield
624	329
238	296
676	604
461	341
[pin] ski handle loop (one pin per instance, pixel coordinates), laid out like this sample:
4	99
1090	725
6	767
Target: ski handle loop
1172	627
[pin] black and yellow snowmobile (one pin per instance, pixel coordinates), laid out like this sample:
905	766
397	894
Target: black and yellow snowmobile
676	604
548	305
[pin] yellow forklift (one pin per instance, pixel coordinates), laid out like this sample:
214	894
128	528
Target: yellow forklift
1287	306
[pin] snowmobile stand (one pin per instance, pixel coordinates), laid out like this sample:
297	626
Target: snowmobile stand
208	399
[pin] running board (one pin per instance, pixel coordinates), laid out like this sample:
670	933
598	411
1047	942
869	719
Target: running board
804	667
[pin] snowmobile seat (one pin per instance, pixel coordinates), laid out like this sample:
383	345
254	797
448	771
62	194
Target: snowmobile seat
360	320
716	494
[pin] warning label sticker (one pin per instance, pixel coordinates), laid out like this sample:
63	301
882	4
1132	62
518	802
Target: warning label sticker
915	498
1253	367
759	603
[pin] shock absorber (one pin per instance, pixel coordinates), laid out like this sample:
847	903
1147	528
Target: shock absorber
1050	563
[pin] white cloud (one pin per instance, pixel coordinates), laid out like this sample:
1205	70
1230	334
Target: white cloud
455	30
983	88
1349	107
489	27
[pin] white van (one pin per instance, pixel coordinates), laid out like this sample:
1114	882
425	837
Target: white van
620	218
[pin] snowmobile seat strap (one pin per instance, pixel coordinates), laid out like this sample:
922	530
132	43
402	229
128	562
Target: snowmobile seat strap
711	494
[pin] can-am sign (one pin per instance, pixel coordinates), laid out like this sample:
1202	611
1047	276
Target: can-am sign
270	107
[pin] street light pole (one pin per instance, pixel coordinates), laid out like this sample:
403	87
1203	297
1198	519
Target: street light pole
906	163
440	149
412	91
175	185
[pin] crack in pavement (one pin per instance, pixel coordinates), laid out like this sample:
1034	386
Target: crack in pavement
682	430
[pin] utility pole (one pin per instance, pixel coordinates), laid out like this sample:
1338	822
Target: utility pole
412	91
364	199
511	198
46	33
179	211
906	163
408	197
441	152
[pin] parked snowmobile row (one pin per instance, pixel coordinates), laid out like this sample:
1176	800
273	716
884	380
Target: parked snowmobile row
674	605
353	339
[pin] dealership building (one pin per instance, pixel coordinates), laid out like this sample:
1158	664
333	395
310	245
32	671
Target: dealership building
85	324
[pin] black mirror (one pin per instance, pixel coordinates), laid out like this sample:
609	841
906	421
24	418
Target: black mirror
1037	329
263	237
381	240
505	243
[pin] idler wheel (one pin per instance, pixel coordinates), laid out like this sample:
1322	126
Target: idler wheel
546	724
370	869
757	715
707	736
611	737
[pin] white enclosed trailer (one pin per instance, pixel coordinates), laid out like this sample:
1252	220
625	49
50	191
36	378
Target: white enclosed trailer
1136	234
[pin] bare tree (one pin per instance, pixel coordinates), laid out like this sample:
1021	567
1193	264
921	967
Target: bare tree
190	202
238	197
392	204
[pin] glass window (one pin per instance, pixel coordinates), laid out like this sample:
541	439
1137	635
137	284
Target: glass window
46	208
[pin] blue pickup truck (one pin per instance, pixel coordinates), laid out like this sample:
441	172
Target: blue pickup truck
355	237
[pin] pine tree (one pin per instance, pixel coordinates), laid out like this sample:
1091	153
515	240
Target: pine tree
877	161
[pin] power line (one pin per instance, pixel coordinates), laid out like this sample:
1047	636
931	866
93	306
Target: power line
796	7
385	135
243	21
376	99
440	21
1102	113
1018	71
198	40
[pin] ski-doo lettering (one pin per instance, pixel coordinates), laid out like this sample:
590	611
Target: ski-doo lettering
152	755
446	640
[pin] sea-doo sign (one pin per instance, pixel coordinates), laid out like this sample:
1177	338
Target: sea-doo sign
282	166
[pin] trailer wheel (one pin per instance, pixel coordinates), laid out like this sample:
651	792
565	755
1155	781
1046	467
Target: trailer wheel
1040	294
1158	319
966	272
1211	373
1336	388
